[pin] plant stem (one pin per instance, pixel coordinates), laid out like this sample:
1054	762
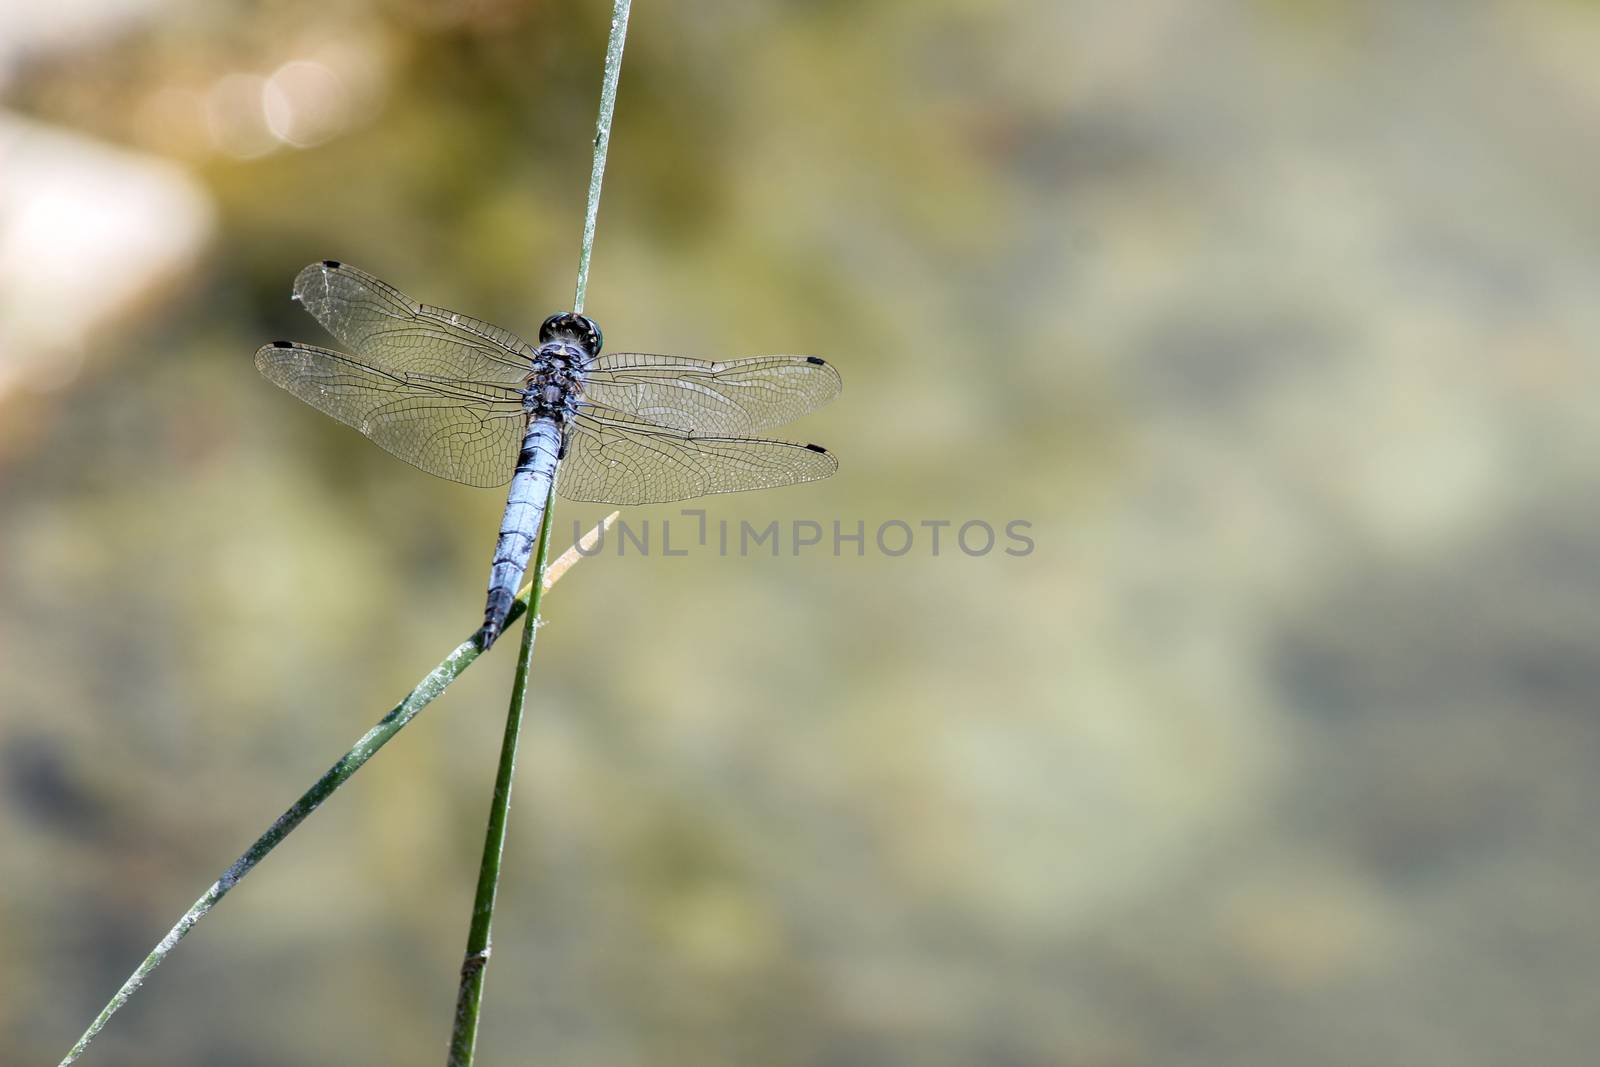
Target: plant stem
464	1034
425	692
364	749
602	141
469	997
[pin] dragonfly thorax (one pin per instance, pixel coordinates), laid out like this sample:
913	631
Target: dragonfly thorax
568	344
555	383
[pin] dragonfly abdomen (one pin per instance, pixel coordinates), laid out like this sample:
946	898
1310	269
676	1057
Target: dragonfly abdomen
519	529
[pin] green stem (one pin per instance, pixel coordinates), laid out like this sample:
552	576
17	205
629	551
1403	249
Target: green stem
464	1035
602	141
429	688
469	997
425	692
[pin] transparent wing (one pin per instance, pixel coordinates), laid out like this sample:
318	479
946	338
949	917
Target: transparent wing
738	397
393	333
467	431
615	457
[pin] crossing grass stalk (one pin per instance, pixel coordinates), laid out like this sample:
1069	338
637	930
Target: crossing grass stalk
424	693
469	998
469	995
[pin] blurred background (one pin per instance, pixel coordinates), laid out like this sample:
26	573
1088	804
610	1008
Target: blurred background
1276	320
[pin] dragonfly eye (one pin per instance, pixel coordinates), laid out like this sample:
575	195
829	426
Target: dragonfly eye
580	328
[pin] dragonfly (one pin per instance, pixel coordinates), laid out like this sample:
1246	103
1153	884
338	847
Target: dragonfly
474	403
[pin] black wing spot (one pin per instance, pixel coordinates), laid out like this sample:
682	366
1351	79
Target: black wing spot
818	362
332	264
283	344
818	448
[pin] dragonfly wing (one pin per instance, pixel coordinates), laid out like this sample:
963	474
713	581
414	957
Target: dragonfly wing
618	458
465	431
392	332
737	397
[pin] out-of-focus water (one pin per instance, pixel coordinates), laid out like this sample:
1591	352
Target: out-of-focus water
1273	322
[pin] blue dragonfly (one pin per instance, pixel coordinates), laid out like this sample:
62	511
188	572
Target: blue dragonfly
471	402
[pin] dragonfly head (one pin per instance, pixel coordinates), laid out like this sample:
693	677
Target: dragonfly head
579	328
